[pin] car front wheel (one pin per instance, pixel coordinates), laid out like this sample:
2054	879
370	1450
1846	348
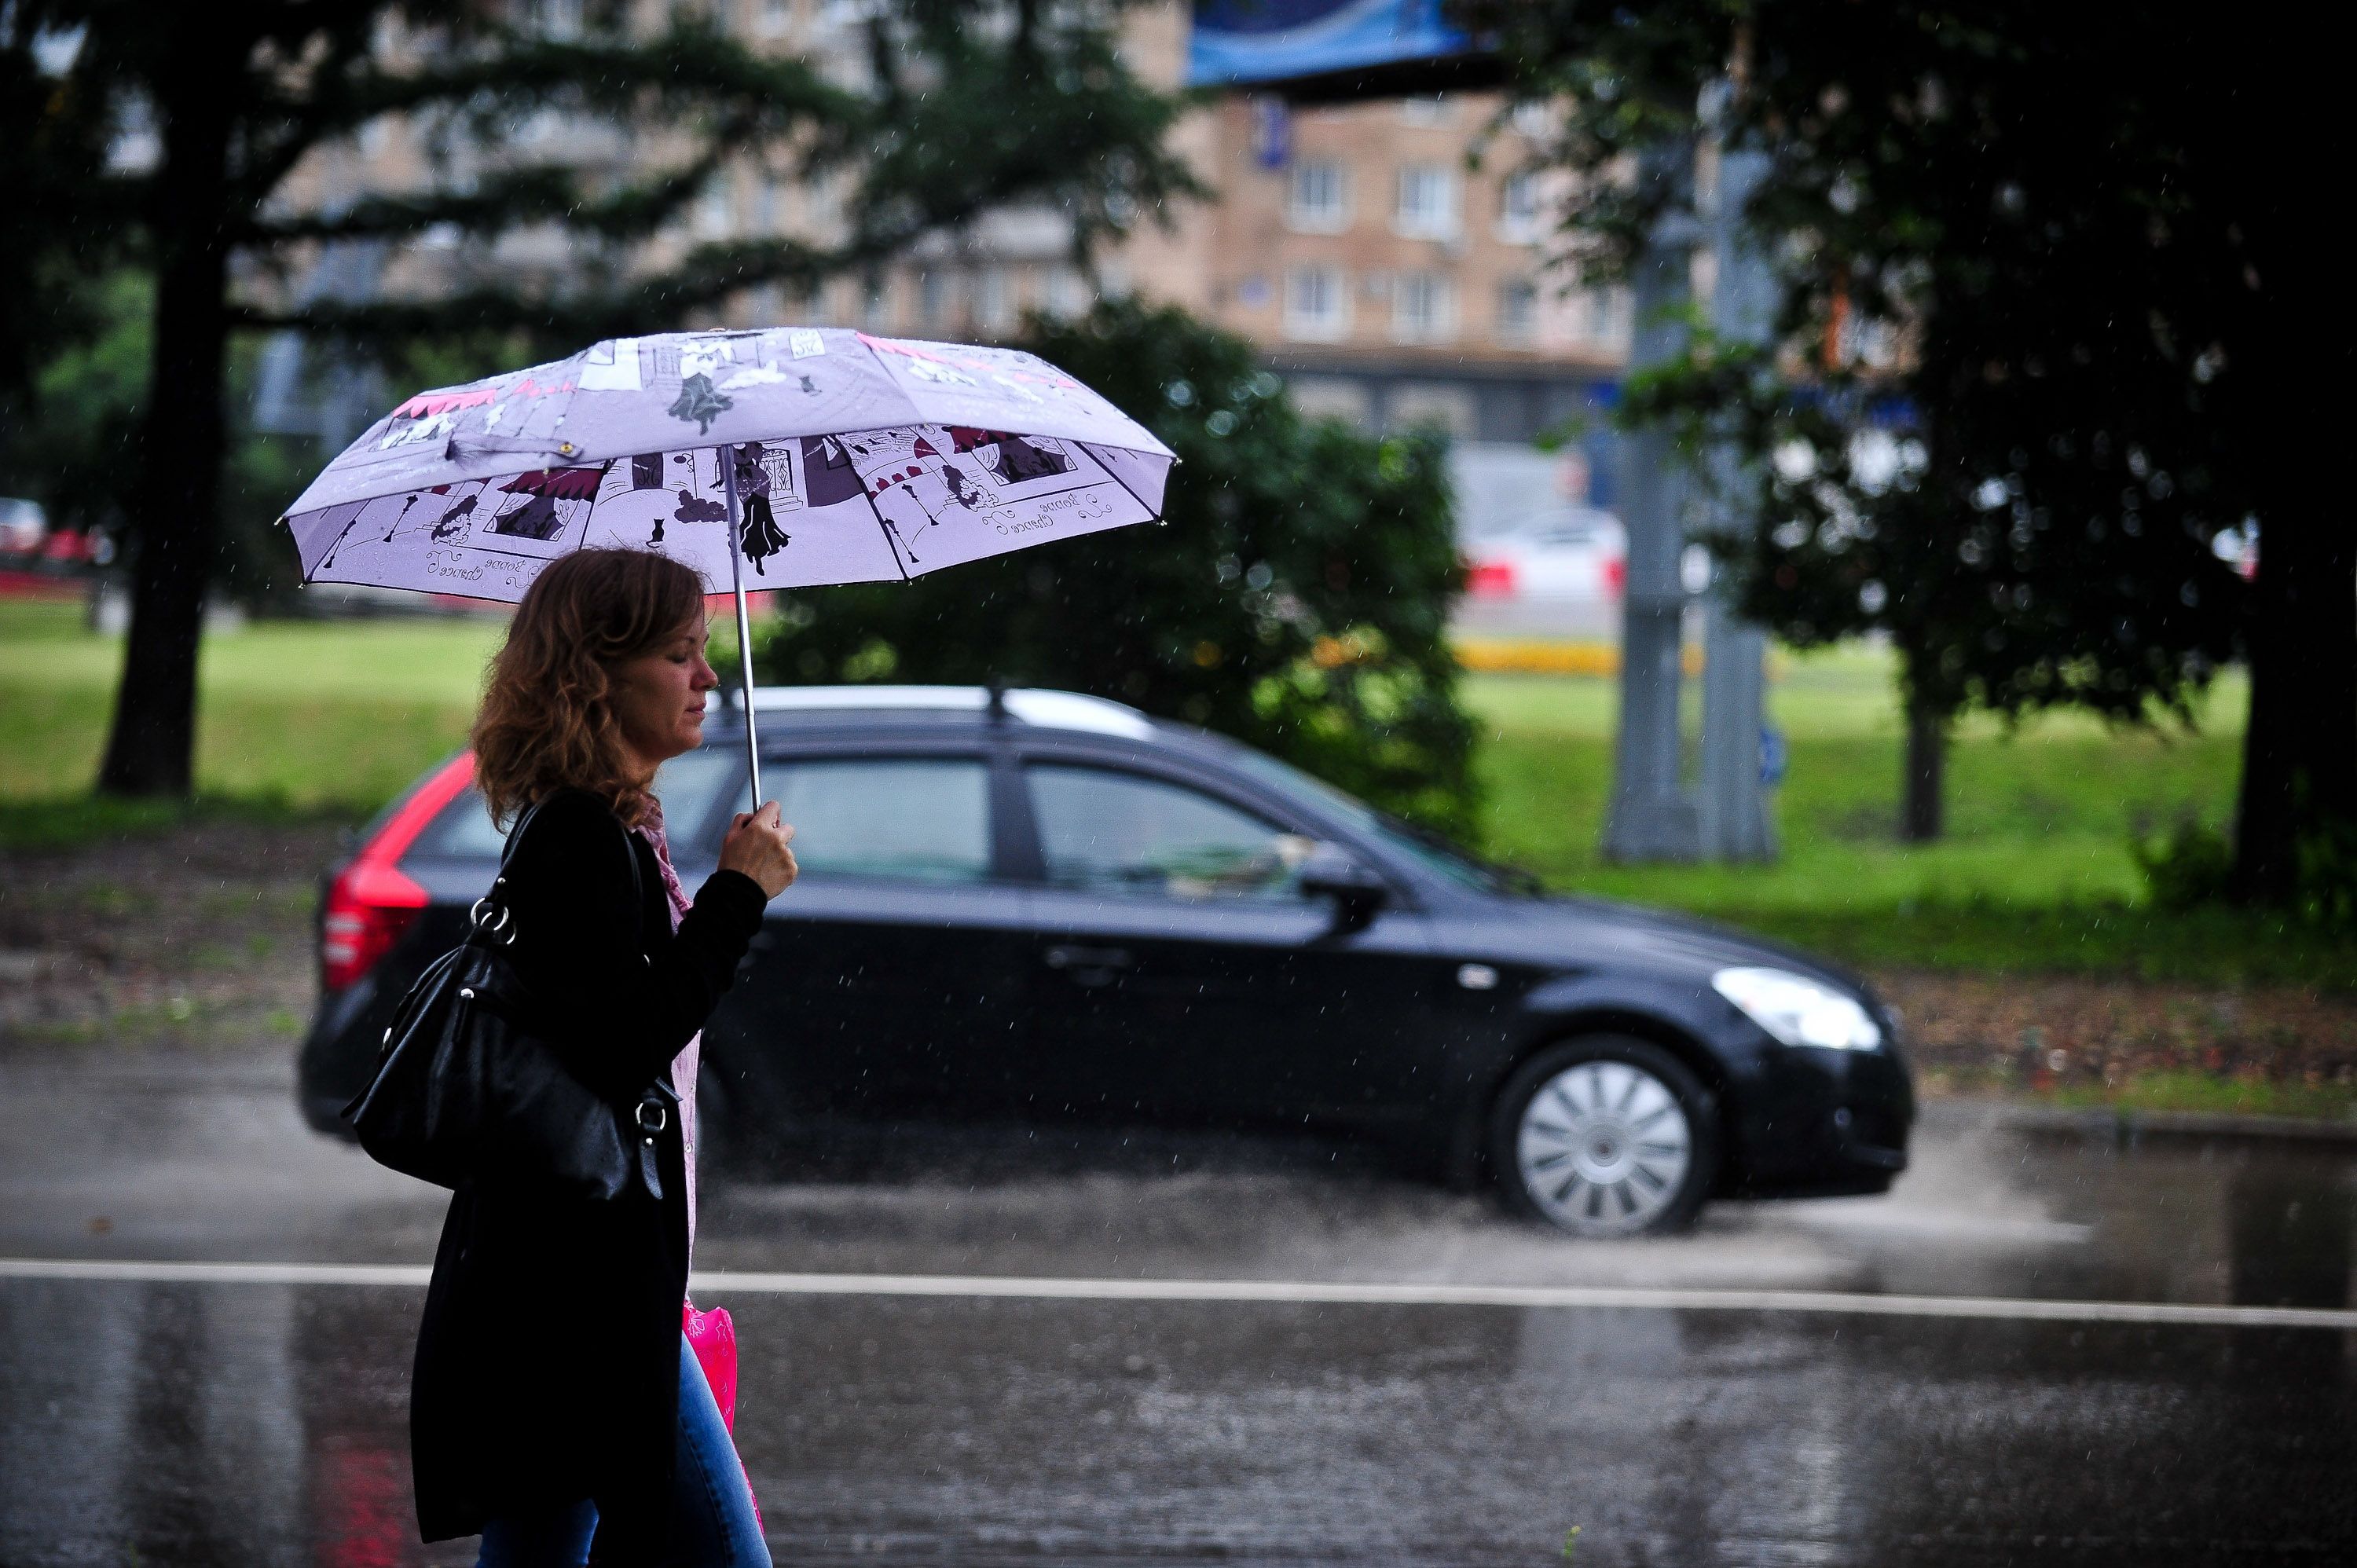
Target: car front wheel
1604	1136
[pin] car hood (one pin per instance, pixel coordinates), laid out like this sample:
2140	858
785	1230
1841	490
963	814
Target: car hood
1579	933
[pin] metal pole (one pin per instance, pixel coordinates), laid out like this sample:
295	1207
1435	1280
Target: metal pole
744	621
1736	823
1652	818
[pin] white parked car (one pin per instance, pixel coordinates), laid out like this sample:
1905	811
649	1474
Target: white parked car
1564	552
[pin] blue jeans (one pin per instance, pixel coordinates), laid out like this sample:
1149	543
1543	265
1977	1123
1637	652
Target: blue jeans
712	1523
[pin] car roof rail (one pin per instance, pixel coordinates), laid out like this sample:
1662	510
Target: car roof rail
1043	707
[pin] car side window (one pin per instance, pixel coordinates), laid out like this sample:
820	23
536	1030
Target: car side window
914	818
1122	832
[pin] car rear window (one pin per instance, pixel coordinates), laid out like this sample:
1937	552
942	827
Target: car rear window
689	787
912	818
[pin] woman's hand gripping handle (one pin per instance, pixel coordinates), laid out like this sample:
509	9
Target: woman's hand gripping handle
759	845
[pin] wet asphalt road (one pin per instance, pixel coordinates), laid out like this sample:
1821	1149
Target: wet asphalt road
156	1419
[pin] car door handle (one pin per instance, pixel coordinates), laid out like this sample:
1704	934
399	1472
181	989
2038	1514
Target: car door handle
1090	966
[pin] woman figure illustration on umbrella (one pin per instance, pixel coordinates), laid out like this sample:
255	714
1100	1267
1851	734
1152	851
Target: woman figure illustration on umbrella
762	537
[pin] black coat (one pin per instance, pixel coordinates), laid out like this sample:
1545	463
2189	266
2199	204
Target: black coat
548	1361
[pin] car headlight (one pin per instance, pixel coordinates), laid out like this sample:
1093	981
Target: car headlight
1799	1011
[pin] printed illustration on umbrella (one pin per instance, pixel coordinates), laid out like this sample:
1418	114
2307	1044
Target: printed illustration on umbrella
762	538
538	519
699	445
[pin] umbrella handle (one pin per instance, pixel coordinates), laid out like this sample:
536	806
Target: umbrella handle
744	623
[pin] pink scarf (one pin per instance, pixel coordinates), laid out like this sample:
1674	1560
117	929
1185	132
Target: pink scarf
682	1065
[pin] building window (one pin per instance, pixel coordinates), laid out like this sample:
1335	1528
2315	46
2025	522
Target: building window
1431	109
1518	311
1607	313
1321	198
1427	202
1067	295
937	293
993	304
823	204
1317	304
556	19
716	211
1518	208
1423	308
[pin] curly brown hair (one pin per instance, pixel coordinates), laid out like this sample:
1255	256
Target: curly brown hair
545	722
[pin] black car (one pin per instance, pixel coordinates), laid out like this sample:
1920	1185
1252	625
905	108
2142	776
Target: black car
1031	905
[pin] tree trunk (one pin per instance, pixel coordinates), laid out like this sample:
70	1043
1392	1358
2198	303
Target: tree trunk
1922	810
2299	752
175	497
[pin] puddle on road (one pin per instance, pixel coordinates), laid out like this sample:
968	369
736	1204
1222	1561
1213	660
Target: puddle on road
1988	1210
1984	1212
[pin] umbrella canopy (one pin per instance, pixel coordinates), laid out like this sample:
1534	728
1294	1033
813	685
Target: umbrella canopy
847	459
813	456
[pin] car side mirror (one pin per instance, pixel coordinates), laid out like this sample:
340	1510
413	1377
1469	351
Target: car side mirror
1356	891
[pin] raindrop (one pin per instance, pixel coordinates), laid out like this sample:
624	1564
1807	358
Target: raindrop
1220	422
1872	597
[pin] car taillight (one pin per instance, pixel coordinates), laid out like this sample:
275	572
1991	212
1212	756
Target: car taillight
1490	578
371	902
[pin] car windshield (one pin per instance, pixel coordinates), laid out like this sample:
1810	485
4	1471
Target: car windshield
1427	848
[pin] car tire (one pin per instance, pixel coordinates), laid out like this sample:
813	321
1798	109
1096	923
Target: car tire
1604	1136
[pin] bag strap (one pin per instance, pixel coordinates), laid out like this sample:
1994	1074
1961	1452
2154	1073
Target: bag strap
638	882
492	917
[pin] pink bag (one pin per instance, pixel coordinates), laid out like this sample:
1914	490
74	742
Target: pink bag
712	1336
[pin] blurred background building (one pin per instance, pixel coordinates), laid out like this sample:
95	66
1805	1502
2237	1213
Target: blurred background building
1388	258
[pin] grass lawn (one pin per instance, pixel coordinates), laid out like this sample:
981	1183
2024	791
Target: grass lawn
2036	873
331	718
296	717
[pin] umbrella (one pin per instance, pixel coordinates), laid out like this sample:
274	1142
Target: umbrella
812	455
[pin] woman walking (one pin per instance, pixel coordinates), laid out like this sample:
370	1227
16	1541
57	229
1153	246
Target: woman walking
555	1398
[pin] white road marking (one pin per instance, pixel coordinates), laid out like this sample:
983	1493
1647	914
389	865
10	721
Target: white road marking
717	1286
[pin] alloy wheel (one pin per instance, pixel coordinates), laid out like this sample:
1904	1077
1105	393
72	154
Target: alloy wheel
1603	1148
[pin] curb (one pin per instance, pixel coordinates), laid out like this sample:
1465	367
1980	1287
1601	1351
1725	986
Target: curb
2126	1127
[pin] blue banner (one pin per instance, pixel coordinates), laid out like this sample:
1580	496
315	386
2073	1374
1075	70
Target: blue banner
1242	43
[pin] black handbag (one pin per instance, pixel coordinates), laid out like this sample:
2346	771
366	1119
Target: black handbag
469	1087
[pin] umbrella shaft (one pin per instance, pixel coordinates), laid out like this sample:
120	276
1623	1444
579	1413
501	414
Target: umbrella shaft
744	621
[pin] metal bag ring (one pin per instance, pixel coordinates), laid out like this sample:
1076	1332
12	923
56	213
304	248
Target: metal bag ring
661	1117
501	930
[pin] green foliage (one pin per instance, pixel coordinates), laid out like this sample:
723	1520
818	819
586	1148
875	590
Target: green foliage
2042	233
73	447
2189	866
2327	889
1297	599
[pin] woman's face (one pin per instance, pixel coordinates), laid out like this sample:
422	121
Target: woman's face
658	697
